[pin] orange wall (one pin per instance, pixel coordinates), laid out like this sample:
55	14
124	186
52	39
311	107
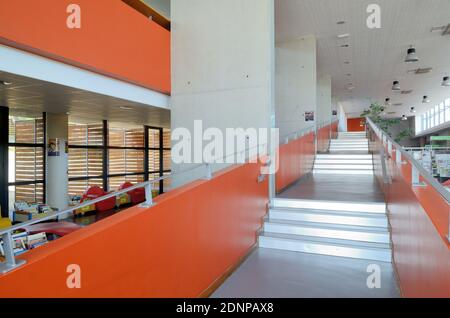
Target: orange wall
295	160
419	224
114	39
177	248
354	124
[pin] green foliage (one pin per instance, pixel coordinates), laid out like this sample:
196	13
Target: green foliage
375	112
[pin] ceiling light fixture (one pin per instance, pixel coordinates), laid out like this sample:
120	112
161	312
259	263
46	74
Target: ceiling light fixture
404	117
396	86
345	45
387	102
126	108
413	110
446	81
5	83
347	62
341	22
343	36
411	56
426	100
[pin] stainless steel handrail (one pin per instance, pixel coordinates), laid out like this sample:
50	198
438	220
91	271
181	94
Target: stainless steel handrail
287	137
6	234
417	169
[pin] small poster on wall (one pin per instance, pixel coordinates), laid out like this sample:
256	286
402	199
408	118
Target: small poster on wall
309	116
53	147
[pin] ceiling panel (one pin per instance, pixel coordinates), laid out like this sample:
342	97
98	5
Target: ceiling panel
26	96
376	56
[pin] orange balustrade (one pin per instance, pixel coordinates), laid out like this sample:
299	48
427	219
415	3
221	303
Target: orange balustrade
296	159
177	248
114	39
419	218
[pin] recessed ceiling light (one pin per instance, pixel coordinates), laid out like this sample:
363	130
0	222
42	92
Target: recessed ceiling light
404	117
343	36
411	56
341	22
126	108
446	81
346	62
413	110
396	86
349	74
426	100
5	83
345	45
387	102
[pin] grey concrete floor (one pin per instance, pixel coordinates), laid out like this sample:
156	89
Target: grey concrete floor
269	273
354	188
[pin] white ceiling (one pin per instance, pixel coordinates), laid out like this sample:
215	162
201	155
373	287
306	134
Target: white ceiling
376	56
27	96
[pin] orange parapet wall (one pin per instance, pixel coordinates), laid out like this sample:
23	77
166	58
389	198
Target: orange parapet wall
419	218
177	248
296	159
114	39
356	124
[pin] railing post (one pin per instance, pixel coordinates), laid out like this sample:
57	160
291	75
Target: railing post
148	196
415	177
208	175
10	260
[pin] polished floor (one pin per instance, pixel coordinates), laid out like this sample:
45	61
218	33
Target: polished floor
270	273
354	188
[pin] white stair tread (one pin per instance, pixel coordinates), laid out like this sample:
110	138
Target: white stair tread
329	226
370	245
325	248
331	212
375	207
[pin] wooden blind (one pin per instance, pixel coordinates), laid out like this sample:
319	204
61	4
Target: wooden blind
29	161
86	134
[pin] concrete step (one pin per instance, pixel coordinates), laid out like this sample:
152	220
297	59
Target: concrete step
372	207
344	172
326	246
333	231
366	219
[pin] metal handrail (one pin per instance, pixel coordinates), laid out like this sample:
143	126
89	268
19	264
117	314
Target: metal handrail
6	234
305	131
417	169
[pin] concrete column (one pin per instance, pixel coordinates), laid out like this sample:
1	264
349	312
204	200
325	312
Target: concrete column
4	125
222	67
296	84
57	161
324	108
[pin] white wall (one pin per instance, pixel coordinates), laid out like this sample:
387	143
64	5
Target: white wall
222	65
342	118
296	83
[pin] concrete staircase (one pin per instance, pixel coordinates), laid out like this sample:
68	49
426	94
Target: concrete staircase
337	228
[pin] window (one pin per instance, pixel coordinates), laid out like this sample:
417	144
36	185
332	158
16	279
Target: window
26	159
131	154
438	115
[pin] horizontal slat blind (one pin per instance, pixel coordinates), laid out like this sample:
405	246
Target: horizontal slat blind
86	134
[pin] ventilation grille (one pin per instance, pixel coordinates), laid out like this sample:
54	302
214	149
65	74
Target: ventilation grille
397	104
423	70
407	92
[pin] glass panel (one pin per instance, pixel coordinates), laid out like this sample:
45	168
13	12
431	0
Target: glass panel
86	134
166	138
33	193
153	138
126	137
85	162
26	164
26	130
418	124
123	161
153	160
80	187
115	182
441	113
167	160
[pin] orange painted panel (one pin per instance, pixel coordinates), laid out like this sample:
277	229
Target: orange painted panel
323	138
419	219
354	124
177	248
295	160
114	39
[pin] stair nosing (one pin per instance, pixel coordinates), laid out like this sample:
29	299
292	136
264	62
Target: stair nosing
329	226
